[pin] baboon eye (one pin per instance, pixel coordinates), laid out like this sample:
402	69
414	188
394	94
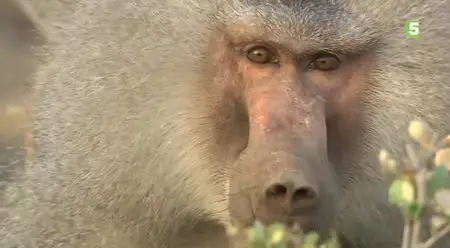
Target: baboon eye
325	62
261	55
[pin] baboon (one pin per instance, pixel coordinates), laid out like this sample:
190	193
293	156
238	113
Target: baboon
159	123
20	31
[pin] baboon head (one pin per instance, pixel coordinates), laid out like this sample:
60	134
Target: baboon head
286	88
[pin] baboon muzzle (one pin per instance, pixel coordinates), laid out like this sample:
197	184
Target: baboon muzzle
286	158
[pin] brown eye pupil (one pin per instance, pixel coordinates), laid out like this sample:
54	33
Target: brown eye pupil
260	55
326	62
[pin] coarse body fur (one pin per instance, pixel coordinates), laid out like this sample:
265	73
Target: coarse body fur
125	136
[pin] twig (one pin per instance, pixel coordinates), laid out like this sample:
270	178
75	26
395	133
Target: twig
441	233
406	234
421	186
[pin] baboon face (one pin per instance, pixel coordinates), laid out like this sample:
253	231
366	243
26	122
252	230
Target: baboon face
282	99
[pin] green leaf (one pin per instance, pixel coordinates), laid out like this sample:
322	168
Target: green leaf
438	180
310	240
415	210
257	235
259	228
401	192
279	245
276	233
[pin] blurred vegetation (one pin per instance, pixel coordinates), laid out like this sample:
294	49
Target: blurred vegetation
18	33
13	142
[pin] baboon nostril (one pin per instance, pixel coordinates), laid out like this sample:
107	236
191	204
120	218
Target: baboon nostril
276	190
299	195
304	193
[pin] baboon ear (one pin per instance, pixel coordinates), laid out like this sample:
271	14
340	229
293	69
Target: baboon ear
19	19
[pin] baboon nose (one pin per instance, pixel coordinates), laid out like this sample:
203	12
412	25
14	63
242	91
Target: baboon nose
296	194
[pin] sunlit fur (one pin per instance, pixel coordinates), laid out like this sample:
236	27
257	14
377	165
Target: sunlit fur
122	118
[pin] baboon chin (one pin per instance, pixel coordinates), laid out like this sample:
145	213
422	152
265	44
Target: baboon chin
159	123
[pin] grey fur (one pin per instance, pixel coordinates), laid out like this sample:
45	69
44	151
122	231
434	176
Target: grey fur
126	156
